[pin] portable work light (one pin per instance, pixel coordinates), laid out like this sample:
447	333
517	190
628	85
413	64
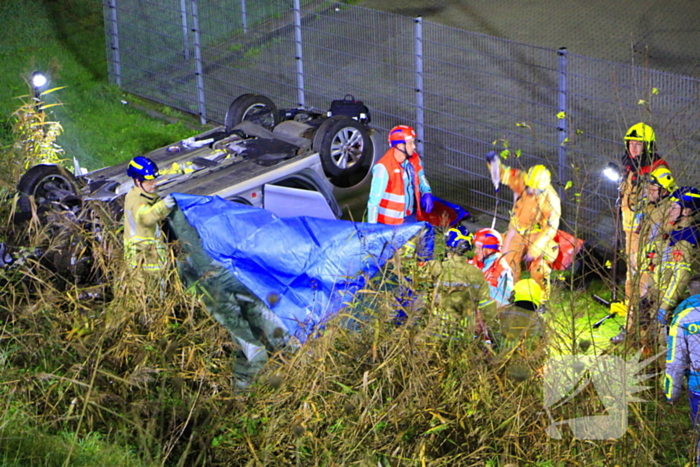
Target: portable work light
612	171
39	80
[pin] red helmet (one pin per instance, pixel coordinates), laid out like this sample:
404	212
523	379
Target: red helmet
400	134
488	238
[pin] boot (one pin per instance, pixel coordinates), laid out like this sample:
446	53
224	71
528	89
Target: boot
620	337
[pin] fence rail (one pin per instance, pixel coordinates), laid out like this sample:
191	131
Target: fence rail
462	91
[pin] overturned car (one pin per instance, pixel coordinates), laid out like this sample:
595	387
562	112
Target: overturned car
288	161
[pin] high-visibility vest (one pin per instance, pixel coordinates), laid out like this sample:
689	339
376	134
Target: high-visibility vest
392	205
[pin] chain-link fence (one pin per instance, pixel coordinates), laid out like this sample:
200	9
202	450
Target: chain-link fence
464	92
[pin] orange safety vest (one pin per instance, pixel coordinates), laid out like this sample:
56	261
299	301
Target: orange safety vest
392	205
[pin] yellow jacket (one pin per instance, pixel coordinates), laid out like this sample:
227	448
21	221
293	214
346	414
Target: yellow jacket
143	246
534	215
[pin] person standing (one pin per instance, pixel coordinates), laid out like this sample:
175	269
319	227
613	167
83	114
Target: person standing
640	159
143	210
652	228
533	223
399	187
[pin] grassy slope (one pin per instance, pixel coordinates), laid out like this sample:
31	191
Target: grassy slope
66	39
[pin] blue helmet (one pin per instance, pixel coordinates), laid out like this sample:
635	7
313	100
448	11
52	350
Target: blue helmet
459	239
687	197
142	168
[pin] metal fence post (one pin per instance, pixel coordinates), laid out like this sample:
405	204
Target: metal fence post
562	122
198	59
420	130
185	33
114	34
299	58
244	17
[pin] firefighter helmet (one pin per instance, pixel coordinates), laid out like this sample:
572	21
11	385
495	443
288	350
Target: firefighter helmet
488	238
142	168
527	290
400	134
687	197
538	177
663	177
459	240
641	132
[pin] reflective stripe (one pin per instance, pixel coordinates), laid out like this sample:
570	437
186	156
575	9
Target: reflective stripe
394	197
132	224
390	212
455	284
672	287
449	325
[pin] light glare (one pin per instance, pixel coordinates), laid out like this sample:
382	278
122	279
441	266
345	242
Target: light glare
38	79
612	174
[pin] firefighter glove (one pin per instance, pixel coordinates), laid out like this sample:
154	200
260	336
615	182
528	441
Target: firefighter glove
169	201
491	157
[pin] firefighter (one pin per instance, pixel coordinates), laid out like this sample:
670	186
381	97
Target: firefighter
680	249
520	319
489	259
399	186
143	210
652	226
463	299
533	223
640	159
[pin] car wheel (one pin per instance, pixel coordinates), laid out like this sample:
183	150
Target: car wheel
253	108
343	144
52	187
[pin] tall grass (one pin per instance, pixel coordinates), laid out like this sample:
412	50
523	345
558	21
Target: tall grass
137	373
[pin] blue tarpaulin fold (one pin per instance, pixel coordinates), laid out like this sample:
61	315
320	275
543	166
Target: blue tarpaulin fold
305	269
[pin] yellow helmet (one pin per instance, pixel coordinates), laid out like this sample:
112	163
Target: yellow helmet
538	177
641	132
663	177
527	290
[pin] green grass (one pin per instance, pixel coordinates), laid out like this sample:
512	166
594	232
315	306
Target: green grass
65	39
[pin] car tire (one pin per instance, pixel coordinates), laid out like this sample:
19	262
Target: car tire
50	185
255	108
344	145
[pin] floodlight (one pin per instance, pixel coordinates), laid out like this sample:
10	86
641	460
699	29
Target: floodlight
38	80
612	171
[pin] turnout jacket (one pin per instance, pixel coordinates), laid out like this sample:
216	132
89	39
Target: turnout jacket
653	227
143	246
631	188
683	354
533	215
680	249
462	290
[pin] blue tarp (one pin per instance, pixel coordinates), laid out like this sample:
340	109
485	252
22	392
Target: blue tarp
305	269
